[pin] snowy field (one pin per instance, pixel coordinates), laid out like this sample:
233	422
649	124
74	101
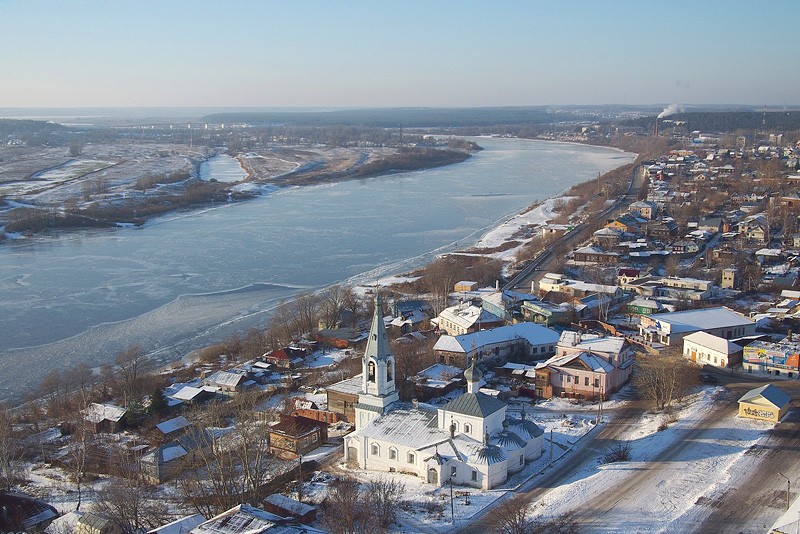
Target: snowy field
667	501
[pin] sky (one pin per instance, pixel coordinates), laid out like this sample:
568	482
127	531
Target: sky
298	53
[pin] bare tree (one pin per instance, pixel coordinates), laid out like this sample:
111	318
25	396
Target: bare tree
130	370
514	517
10	450
664	378
132	504
352	508
334	302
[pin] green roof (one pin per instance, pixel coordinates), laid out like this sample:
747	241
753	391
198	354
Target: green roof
475	405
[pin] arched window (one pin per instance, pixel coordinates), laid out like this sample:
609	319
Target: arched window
376	449
371	371
467	428
389	365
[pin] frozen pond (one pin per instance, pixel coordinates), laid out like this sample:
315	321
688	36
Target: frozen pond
222	168
195	277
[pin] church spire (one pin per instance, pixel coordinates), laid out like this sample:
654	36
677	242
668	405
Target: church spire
378	342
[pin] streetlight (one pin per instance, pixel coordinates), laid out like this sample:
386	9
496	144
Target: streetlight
788	488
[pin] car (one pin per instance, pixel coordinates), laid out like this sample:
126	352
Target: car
708	378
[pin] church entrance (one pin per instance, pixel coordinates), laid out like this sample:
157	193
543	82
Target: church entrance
433	476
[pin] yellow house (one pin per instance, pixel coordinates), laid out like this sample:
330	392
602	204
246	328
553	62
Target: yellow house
767	402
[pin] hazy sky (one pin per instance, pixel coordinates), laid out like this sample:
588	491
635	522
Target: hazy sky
396	53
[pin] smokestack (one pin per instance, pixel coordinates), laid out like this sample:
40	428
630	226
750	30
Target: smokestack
655	128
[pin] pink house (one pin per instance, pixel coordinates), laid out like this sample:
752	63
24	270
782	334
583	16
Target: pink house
586	366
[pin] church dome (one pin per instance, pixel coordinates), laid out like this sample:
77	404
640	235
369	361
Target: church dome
491	454
509	440
473	374
527	428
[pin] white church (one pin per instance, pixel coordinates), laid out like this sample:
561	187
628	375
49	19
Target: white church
469	441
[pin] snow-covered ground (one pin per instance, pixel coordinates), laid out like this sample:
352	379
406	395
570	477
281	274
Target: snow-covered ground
427	508
509	231
708	466
666	503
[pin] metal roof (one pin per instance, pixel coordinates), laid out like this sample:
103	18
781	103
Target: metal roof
474	404
766	395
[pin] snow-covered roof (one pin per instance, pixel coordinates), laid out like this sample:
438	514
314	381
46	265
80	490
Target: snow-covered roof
95	413
703	319
180	526
766	395
188	393
590	360
467	316
591	342
242	519
712	342
173	425
416	428
289	504
534	334
225	378
349	385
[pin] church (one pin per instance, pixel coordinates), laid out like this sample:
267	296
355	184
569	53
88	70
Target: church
470	441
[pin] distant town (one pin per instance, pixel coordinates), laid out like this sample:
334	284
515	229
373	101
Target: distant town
618	358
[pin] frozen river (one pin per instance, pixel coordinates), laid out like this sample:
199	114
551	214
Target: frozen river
195	277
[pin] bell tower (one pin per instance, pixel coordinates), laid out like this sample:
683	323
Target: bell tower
378	378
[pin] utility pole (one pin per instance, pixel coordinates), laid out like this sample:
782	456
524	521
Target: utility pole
551	447
788	489
452	506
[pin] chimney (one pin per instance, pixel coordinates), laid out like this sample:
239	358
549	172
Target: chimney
789	336
415	403
452	430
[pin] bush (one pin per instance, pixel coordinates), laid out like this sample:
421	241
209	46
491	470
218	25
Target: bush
617	453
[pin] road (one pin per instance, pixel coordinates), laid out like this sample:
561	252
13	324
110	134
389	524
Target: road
578	234
747	500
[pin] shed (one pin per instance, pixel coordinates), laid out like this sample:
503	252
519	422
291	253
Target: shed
767	402
90	523
287	507
105	417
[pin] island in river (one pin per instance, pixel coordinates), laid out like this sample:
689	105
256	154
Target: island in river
104	185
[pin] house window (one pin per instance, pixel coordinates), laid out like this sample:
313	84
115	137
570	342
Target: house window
393	454
569	379
411	458
474	476
371	372
586	381
453	471
315	438
597	382
376	450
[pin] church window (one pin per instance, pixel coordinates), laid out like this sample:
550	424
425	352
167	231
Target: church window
371	374
455	425
393	454
521	460
411	458
389	365
453	471
474	476
467	428
376	449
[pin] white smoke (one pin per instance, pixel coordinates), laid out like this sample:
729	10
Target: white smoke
669	110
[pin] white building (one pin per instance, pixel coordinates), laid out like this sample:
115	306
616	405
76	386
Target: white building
707	349
670	328
469	441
